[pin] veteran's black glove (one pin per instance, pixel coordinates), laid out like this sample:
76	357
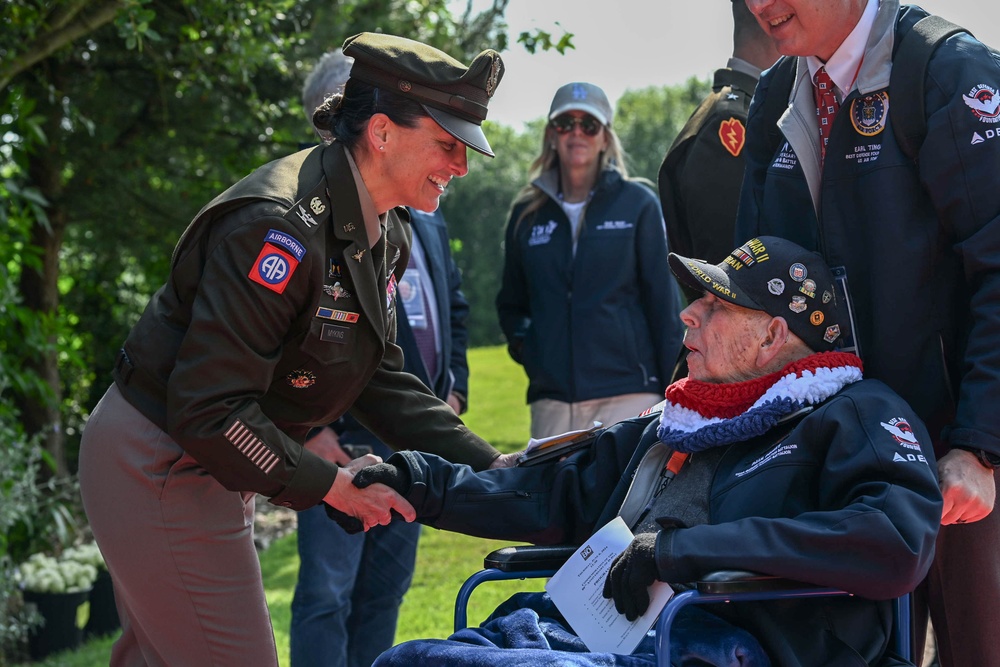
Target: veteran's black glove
350	524
631	575
396	478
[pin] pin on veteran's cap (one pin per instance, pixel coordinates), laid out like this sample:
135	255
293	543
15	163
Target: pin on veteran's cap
779	277
454	95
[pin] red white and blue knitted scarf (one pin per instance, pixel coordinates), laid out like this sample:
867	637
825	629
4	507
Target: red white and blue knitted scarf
701	415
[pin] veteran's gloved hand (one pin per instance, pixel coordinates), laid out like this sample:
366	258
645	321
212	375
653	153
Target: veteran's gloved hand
396	478
631	575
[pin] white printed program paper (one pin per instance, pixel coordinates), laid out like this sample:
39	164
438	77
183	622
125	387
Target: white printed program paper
577	590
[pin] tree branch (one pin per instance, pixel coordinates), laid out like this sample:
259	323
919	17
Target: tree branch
68	26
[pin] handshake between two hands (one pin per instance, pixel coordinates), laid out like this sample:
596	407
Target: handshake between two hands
366	493
357	502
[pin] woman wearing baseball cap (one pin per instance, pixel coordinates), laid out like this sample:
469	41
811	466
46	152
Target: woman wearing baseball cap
587	304
277	317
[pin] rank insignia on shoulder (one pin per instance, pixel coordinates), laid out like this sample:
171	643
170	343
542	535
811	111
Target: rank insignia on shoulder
306	217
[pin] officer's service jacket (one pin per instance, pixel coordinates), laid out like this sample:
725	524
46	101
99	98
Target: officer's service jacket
278	317
700	178
847	498
599	322
919	241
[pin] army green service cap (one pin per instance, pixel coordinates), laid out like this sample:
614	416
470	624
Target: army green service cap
454	95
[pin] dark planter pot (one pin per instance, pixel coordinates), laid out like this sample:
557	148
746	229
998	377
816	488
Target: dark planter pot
60	631
103	612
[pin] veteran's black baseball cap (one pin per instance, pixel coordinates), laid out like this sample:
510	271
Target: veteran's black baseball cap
454	95
779	277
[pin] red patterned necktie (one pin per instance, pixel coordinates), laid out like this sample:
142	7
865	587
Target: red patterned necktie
826	107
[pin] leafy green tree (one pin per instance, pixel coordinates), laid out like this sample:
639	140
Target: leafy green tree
144	110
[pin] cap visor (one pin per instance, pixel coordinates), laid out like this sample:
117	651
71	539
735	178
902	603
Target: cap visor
465	131
704	277
580	106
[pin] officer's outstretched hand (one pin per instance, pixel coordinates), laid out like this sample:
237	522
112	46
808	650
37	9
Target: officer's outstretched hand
371	506
631	575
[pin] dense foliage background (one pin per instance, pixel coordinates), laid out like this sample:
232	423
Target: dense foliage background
119	119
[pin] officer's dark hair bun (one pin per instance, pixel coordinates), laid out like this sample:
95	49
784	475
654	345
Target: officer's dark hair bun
345	115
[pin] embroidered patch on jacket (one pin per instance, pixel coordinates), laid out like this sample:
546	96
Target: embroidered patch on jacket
868	113
902	432
251	446
273	268
984	103
733	136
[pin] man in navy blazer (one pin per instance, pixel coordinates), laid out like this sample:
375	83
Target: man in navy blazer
350	587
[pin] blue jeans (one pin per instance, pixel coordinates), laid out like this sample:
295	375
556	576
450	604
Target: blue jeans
350	587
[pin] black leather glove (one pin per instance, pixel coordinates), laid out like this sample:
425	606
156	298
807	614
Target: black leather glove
631	575
350	524
396	478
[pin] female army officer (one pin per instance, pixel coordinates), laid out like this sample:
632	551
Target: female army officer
278	316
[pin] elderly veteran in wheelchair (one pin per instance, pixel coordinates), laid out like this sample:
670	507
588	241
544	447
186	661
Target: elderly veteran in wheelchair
793	466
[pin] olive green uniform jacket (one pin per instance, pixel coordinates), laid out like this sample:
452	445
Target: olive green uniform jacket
278	317
701	175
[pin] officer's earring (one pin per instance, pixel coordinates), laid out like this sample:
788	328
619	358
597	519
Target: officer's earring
381	148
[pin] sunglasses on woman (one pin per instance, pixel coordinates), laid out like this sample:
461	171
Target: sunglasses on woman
564	124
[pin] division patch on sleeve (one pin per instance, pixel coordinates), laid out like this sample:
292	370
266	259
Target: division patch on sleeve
733	135
277	261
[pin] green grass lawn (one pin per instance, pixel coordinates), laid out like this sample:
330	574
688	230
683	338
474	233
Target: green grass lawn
498	413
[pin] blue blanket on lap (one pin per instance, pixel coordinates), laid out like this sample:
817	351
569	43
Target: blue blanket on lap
528	631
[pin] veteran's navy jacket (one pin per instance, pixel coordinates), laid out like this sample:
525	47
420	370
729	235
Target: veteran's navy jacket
603	321
278	317
920	241
843	500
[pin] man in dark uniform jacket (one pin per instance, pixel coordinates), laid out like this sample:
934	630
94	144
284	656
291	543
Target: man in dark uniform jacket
700	178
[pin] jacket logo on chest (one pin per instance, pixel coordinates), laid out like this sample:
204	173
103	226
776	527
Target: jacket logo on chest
786	158
777	452
868	113
542	234
614	225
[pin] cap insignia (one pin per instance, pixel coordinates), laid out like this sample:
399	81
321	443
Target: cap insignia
491	82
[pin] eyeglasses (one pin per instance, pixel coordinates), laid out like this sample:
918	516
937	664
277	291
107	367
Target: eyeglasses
564	124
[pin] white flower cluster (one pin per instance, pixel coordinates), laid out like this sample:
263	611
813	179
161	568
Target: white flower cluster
76	570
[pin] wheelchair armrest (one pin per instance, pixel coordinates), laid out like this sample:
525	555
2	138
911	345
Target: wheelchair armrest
528	558
743	581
